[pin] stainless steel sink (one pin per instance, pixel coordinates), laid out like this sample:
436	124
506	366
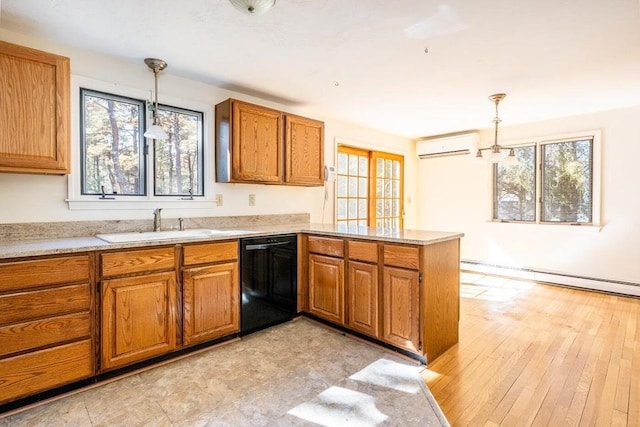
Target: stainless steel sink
144	236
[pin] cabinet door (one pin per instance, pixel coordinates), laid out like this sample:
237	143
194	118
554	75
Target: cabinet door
256	143
34	111
210	302
326	287
138	318
363	297
401	315
304	140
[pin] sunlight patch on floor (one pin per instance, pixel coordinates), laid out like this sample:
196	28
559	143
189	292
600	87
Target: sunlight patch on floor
340	406
387	373
491	288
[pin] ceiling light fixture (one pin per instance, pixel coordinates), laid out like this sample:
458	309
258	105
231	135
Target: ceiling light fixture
155	131
253	7
498	154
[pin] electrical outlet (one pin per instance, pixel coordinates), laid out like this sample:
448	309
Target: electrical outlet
218	199
252	199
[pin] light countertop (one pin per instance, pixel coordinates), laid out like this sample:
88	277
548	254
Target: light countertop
26	248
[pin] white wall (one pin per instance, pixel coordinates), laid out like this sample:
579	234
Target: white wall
36	198
456	195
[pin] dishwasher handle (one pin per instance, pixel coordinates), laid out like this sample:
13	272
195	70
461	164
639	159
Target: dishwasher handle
263	246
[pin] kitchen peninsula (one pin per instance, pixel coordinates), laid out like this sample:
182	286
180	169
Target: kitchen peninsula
66	303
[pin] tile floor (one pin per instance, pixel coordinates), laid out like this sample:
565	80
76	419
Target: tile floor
296	374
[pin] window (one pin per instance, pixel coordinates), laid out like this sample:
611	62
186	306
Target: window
178	160
113	148
515	187
369	188
112	144
567	181
564	191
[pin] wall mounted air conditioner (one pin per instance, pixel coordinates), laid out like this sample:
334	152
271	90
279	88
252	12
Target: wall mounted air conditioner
447	145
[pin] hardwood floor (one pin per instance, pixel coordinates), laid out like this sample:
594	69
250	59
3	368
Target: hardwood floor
540	355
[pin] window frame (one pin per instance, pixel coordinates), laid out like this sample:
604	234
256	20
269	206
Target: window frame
77	201
596	137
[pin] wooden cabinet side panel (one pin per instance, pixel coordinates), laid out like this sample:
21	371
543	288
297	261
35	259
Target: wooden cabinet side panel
52	271
401	317
441	297
304	148
363	297
18	307
34	110
41	370
138	318
326	287
210	302
256	143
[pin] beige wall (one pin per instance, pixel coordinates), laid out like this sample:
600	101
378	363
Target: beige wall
35	198
456	194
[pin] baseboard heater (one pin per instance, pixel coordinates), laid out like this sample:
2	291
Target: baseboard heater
574	281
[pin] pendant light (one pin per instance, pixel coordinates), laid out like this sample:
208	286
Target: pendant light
155	131
253	7
498	154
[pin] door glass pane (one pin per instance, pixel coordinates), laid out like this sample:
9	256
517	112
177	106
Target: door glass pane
396	169
380	168
342	186
353	208
364	166
342	163
353	164
342	209
362	187
353	186
362	208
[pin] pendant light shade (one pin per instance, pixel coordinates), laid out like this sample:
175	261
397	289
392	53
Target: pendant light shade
155	131
253	7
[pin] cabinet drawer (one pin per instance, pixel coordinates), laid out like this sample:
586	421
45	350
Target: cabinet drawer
32	372
210	252
401	256
23	306
38	333
326	246
143	261
53	271
363	251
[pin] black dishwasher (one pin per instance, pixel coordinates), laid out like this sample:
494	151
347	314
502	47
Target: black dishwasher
269	281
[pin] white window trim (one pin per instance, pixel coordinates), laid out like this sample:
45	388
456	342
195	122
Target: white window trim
596	224
78	201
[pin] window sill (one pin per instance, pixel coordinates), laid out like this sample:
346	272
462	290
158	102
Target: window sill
549	226
121	204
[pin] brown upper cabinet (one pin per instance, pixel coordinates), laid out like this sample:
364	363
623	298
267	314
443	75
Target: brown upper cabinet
34	111
304	141
256	144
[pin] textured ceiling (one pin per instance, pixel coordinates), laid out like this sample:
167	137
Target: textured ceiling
553	58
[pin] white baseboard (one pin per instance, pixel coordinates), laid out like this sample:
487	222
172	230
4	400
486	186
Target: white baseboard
613	286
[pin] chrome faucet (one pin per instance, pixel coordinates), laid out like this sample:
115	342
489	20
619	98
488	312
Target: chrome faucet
157	219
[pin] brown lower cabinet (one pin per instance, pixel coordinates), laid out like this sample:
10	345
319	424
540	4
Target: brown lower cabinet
401	308
406	295
138	318
363	298
326	287
210	302
46	324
